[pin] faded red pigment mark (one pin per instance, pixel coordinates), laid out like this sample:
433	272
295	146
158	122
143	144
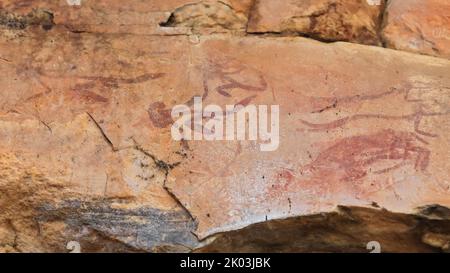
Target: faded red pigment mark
159	115
351	159
354	155
36	96
331	103
246	101
416	118
90	96
283	179
233	75
84	92
114	82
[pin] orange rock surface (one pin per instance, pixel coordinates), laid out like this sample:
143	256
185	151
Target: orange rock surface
329	20
418	26
87	153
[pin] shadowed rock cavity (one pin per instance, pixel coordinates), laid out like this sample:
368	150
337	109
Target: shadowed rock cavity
349	229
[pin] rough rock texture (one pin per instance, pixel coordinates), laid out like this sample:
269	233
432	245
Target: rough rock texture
353	132
87	153
329	20
59	98
203	15
35	17
346	230
140	17
418	26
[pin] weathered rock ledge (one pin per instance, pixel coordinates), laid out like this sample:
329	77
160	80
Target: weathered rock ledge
87	153
416	26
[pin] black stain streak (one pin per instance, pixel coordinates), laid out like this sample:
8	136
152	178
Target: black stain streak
37	17
142	228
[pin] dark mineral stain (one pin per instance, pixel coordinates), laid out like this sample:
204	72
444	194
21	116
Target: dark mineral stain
435	211
37	17
143	228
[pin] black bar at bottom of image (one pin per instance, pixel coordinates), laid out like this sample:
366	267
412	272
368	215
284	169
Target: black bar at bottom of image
226	262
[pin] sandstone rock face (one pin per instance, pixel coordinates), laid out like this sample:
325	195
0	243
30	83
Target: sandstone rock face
330	20
418	26
106	177
351	132
207	15
140	17
87	152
